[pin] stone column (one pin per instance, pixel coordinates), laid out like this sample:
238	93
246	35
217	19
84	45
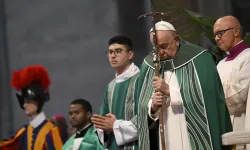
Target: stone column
5	91
136	30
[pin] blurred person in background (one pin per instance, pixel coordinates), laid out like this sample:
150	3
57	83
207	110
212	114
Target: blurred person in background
61	122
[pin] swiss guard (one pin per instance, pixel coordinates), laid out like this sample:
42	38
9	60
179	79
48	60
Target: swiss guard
32	83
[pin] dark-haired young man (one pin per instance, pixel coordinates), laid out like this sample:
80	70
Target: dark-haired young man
116	124
80	112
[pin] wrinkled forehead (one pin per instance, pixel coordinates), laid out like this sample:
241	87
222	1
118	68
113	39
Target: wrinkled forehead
222	25
163	35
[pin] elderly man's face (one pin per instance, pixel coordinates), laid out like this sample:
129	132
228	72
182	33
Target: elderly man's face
224	35
168	44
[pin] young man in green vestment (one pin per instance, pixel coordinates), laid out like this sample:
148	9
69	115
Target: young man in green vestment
85	138
116	124
189	91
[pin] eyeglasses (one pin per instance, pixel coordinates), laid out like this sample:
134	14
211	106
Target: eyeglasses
220	33
117	52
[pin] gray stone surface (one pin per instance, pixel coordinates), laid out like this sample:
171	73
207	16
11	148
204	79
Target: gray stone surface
68	38
6	124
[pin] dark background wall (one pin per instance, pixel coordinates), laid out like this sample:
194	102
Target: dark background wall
69	39
241	11
6	125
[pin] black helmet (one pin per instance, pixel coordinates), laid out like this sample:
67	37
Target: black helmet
33	82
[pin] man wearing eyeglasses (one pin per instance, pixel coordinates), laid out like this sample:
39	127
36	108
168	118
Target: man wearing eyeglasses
116	124
234	71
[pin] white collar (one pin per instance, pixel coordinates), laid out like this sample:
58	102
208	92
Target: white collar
85	127
132	70
239	42
38	120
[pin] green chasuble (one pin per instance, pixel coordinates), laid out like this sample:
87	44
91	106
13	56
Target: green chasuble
119	100
206	113
90	141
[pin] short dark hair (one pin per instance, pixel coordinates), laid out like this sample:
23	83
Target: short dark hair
85	104
123	40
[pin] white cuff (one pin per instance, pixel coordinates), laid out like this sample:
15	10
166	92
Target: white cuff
236	138
100	134
124	132
154	116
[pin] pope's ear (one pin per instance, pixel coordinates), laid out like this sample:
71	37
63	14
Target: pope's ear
177	39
